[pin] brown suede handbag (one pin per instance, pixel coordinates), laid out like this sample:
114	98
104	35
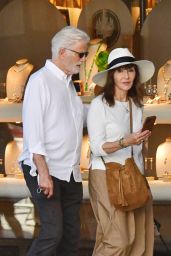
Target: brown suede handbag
128	189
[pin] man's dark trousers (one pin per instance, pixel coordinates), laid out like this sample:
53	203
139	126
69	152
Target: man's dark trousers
59	217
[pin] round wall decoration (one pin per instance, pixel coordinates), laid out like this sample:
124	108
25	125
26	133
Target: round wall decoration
106	26
108	20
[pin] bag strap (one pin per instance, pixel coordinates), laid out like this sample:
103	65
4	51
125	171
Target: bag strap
103	160
131	123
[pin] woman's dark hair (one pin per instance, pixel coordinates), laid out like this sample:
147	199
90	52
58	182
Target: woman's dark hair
136	91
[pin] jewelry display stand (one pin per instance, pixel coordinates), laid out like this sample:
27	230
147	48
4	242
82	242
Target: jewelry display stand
164	81
12	153
163	116
163	160
17	77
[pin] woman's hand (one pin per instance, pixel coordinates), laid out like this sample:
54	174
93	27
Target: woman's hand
137	138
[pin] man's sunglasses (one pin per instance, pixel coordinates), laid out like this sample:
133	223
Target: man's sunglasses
80	54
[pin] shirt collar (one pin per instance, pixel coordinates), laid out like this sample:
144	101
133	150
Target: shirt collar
57	71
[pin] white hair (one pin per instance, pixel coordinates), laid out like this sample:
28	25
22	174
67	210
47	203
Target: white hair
67	37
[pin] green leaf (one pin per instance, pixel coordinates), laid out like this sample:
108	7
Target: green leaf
101	60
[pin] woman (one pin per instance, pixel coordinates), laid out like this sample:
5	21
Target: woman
118	233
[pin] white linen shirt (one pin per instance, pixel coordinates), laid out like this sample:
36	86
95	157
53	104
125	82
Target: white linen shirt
109	124
52	122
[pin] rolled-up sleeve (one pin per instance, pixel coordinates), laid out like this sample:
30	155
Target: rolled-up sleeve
96	127
33	125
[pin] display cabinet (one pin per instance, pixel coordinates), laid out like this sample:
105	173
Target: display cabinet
14	195
18	216
11	112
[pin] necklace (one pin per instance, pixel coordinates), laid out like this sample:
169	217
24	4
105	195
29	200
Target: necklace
125	105
21	67
166	79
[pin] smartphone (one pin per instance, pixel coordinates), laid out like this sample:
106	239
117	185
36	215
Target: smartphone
149	123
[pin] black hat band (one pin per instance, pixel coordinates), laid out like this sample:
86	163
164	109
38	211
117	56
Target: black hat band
121	60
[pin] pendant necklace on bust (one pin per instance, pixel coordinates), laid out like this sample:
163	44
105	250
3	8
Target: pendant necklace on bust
166	79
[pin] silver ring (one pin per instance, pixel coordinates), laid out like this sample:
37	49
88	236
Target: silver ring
39	190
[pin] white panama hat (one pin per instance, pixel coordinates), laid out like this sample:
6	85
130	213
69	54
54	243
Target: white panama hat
120	57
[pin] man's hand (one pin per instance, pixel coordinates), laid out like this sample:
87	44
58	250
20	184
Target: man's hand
46	184
45	181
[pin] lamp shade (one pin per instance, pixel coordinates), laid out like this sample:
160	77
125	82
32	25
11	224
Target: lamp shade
163	158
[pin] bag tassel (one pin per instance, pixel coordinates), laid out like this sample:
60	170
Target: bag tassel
121	199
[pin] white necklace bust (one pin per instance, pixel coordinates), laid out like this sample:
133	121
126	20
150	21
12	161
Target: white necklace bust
17	77
164	80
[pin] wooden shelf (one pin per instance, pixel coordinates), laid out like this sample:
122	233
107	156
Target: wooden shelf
10	112
162	111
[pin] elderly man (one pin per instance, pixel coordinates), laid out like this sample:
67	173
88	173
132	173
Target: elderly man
52	124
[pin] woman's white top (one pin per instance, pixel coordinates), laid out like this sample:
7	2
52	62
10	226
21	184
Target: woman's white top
109	124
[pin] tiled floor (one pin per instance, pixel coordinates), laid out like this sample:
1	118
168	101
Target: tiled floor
19	224
19	247
14	251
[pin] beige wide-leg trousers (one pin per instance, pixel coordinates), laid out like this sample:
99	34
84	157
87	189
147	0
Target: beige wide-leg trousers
119	233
